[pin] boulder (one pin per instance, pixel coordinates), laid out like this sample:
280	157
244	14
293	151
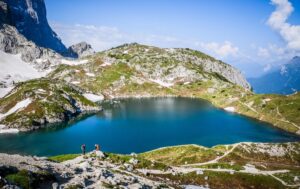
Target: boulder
80	50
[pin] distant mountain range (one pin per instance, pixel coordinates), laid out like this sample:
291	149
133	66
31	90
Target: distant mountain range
284	80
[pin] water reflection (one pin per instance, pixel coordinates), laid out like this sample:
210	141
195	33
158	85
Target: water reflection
138	125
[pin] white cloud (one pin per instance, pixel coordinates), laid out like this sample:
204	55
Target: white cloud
267	68
103	37
279	51
273	52
221	50
100	37
273	56
278	21
263	52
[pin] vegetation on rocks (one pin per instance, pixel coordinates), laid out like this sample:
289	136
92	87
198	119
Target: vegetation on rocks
29	180
134	70
225	180
50	101
241	165
186	154
141	71
259	165
64	157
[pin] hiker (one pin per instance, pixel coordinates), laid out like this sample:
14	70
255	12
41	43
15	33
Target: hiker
83	149
97	148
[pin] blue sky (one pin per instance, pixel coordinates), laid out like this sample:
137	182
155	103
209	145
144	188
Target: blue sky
240	32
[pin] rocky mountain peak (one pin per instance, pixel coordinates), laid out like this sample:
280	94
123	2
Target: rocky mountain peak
80	49
296	60
3	13
169	64
30	19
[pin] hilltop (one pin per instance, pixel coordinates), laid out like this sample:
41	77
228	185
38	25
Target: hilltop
134	70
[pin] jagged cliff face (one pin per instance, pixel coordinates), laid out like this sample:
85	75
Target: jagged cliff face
11	41
3	13
30	19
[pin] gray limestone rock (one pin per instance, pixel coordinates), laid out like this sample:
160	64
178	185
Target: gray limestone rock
80	50
30	19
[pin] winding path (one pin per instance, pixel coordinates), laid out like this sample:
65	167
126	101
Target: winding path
214	160
190	168
283	182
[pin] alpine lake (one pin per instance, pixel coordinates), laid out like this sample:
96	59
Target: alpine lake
139	125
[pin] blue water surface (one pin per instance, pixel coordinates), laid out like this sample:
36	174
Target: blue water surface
139	125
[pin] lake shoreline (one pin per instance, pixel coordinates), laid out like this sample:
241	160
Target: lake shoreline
145	124
153	169
235	111
122	97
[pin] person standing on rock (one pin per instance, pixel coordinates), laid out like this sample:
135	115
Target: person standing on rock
97	148
83	149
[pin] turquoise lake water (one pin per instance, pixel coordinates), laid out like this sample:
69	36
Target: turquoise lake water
139	125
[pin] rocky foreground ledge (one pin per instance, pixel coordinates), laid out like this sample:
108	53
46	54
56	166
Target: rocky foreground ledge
242	165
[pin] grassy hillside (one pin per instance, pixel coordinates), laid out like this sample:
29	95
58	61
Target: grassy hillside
133	70
50	101
241	165
141	71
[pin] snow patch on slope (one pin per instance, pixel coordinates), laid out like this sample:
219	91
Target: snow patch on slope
5	91
14	69
75	82
20	105
93	97
90	74
74	62
12	66
3	130
162	83
195	187
230	109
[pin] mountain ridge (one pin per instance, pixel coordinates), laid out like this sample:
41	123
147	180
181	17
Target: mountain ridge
284	80
134	70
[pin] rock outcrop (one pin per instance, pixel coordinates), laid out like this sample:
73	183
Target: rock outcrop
13	44
168	65
11	41
171	167
48	102
30	19
90	171
80	50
